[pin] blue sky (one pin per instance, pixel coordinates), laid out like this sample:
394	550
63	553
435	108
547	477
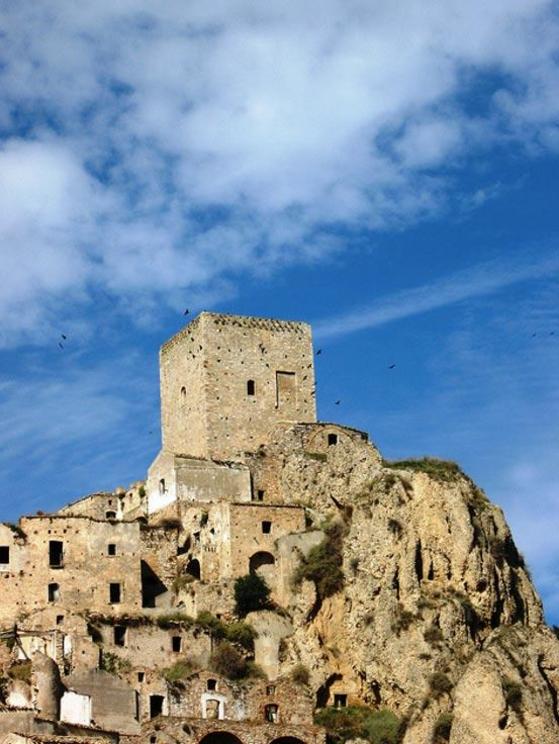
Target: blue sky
384	170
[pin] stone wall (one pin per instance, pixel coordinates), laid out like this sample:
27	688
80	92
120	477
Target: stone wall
226	380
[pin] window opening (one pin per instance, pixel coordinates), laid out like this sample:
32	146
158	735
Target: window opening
110	515
183	394
59	619
332	439
193	568
155	705
251	387
271	713
56	554
4	554
162	488
340	701
271	690
266	527
120	635
260	495
54	592
176	644
111	549
114	593
212	685
141	676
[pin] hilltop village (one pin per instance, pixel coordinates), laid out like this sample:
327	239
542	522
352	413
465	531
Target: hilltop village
383	595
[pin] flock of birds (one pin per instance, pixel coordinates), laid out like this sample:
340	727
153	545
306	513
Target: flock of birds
64	337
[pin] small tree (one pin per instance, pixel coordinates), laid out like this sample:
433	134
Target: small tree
251	594
228	662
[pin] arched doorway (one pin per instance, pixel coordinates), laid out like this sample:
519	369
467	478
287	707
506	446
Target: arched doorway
287	740
263	564
221	737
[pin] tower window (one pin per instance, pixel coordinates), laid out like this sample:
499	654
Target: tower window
260	495
4	554
115	593
141	676
266	528
212	685
111	549
251	387
162	488
56	554
332	439
54	592
271	713
110	515
183	394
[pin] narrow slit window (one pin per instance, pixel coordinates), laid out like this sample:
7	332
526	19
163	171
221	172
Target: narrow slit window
266	528
183	394
251	387
260	495
162	488
53	592
115	593
4	555
141	676
111	549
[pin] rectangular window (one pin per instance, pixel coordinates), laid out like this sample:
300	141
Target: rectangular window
111	549
59	619
119	635
155	705
4	555
286	389
114	593
54	592
266	528
56	554
176	644
141	676
340	701
260	495
332	439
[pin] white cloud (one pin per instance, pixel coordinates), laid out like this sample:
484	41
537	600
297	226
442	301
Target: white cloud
124	123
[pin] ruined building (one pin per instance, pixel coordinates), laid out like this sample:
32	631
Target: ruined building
396	590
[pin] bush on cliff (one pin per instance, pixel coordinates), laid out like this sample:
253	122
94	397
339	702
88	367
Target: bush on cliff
251	594
360	722
323	564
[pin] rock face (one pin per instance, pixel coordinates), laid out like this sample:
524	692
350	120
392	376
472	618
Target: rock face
437	615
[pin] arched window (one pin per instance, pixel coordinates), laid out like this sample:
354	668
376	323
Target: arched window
183	394
251	387
332	439
110	515
162	486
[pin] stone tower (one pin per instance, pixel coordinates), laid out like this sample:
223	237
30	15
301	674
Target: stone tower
227	379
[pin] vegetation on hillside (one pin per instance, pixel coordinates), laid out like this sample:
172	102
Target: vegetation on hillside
360	722
323	564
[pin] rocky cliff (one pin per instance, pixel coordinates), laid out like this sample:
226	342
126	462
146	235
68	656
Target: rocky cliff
435	616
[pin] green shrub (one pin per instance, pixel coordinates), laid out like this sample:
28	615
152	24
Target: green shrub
445	471
114	664
443	727
300	674
251	594
210	622
142	491
171	619
241	633
440	684
21	670
512	692
228	662
181	582
323	565
357	721
179	670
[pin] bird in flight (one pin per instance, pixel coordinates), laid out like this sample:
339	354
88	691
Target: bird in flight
534	335
337	403
60	345
319	352
186	311
62	336
391	366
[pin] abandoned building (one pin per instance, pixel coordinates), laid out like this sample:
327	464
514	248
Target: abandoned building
105	632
